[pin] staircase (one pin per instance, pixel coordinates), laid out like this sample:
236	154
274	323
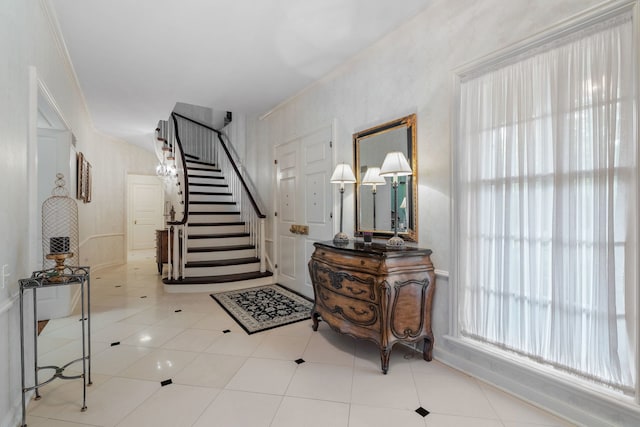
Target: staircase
215	241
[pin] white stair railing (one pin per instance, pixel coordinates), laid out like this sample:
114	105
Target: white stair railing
188	136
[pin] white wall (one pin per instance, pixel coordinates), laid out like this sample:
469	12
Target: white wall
26	40
411	71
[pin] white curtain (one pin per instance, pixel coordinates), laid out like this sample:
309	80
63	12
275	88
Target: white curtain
546	204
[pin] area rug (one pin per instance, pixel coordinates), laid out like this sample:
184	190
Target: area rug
264	307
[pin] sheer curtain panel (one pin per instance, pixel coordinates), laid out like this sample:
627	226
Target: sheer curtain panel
546	211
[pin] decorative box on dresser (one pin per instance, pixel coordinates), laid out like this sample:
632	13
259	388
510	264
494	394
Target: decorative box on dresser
373	292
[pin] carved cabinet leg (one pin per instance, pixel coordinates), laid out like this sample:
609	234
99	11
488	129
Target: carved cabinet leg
315	316
384	358
427	349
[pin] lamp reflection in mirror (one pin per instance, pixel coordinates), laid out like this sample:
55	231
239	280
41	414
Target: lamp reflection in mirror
395	164
342	175
372	177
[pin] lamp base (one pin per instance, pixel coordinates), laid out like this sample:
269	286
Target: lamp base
395	242
341	238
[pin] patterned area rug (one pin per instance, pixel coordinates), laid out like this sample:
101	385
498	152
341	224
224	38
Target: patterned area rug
264	307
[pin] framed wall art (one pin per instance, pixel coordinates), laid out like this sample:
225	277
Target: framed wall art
83	190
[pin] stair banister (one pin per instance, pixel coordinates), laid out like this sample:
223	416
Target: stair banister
239	186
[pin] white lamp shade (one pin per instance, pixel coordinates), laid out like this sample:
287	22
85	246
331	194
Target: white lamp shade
372	177
343	175
395	164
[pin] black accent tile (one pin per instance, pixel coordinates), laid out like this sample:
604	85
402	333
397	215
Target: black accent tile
226	331
97	278
422	412
178	311
166	382
299	361
118	286
113	344
143	296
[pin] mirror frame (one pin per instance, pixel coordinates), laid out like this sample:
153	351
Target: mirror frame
359	138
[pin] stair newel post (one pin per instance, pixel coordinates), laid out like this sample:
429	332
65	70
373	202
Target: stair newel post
169	244
263	267
183	247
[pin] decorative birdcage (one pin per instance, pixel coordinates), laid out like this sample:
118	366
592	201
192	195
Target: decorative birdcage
59	228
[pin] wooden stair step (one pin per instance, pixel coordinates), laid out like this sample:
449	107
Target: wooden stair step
200	162
217	236
214	213
221	248
210	193
210	203
217	279
190	168
216	224
204	176
222	262
194	184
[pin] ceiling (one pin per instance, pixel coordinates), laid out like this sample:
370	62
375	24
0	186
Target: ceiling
135	59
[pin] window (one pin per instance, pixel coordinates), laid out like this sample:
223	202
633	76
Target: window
546	214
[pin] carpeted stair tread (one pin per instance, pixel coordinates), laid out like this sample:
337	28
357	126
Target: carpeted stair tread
217	279
221	248
223	262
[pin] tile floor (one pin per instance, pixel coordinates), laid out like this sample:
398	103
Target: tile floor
234	379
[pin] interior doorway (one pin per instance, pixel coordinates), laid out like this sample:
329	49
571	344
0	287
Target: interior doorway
145	211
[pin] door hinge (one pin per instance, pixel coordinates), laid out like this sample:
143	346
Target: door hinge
275	266
276	214
330	144
275	162
330	215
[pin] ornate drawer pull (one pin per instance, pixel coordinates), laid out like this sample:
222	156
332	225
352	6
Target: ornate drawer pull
363	312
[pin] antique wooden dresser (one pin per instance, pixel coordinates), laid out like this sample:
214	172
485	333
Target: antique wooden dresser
374	292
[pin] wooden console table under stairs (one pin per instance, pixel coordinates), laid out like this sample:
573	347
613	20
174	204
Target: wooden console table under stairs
373	292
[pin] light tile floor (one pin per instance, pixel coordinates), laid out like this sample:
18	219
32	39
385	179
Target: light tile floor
234	379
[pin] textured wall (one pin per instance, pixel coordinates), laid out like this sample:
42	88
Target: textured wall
27	43
409	71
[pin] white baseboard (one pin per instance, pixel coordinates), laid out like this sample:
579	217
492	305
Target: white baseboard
566	399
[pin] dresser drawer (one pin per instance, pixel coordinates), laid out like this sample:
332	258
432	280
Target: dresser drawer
344	282
356	312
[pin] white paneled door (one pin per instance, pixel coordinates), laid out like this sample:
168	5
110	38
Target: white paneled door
145	210
304	198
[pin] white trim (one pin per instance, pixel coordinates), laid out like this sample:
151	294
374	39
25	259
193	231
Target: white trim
56	32
636	71
8	304
100	236
577	22
442	273
552	390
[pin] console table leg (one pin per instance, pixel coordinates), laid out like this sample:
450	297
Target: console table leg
315	316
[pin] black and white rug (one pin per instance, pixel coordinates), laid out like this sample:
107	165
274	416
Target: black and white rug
264	307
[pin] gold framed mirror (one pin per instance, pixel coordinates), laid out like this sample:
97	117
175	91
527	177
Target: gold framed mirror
375	211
